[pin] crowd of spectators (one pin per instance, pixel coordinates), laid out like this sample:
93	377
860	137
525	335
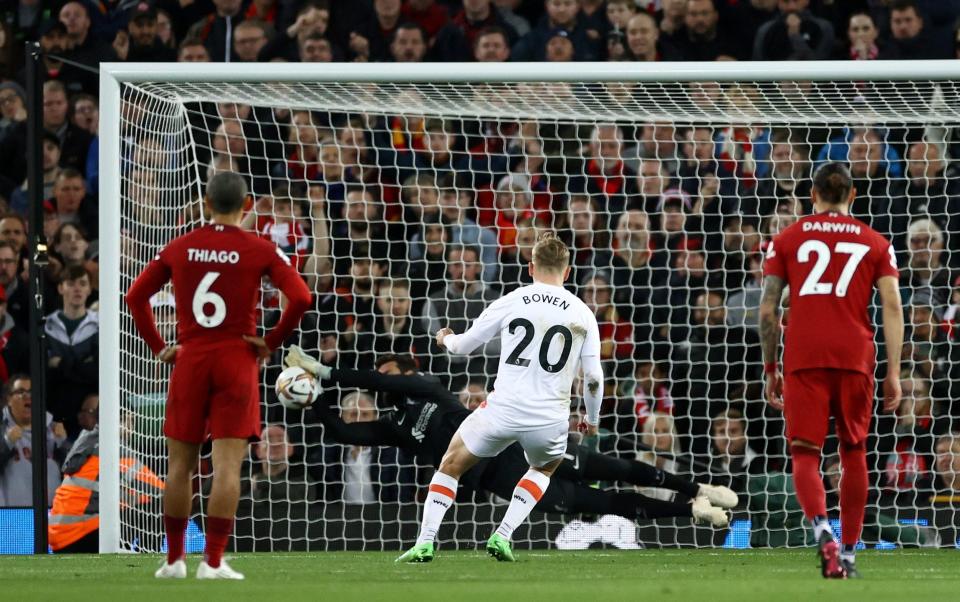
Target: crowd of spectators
402	224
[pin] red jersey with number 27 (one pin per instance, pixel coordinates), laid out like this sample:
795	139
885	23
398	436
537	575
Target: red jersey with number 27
831	262
216	272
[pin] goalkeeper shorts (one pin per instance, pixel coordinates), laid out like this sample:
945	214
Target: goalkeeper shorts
214	393
813	395
485	438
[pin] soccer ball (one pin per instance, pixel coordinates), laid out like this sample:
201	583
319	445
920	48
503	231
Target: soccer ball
296	388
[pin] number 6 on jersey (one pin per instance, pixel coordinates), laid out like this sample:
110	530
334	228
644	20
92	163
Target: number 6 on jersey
203	297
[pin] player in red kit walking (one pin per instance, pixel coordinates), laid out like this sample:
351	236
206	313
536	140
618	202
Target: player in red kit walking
216	272
831	262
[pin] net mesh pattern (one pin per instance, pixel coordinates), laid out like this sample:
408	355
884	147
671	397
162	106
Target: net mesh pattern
409	207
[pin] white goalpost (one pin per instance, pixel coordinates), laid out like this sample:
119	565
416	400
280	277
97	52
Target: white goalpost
666	179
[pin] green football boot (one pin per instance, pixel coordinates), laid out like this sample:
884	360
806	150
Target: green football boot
499	547
422	552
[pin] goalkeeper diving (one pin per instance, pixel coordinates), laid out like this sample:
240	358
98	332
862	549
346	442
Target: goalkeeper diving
528	414
419	415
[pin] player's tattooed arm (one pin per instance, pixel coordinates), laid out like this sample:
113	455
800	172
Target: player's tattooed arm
770	317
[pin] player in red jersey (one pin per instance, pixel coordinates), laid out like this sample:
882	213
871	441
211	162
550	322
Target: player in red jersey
216	272
831	262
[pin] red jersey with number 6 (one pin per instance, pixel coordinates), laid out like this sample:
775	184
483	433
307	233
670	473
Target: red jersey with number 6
831	262
216	272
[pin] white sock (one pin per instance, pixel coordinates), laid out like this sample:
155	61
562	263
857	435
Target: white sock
848	553
820	526
525	496
443	490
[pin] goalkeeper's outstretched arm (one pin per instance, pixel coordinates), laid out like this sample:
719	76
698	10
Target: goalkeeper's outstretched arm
419	385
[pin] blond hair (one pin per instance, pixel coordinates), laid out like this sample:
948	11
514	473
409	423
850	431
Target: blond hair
550	253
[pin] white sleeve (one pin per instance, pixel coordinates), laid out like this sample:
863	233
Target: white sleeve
591	344
592	387
484	328
592	372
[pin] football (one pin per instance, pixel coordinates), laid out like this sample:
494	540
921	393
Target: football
296	388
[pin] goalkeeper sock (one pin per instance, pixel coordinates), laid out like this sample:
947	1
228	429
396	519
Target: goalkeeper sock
442	493
176	528
650	476
637	506
808	482
853	492
218	533
525	496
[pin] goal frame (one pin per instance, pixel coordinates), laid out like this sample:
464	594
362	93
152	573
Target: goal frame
113	75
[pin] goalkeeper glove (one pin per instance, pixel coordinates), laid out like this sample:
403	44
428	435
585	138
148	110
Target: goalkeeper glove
296	356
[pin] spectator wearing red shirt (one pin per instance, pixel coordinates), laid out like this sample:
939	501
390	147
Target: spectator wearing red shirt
514	204
606	180
265	10
648	392
674	234
303	158
514	263
281	226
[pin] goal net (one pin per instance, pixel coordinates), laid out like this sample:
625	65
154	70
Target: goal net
409	203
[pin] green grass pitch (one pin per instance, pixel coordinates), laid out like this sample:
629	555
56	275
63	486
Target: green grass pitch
548	576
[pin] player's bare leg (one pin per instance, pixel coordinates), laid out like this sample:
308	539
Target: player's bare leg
228	454
177	502
813	499
525	496
443	491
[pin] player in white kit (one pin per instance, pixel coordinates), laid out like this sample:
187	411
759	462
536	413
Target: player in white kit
547	334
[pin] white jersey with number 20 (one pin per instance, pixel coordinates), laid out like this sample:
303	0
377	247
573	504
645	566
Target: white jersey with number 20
545	331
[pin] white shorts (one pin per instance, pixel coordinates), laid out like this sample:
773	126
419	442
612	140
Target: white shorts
484	438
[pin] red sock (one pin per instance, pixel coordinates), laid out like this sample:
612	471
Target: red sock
853	492
808	482
176	528
218	533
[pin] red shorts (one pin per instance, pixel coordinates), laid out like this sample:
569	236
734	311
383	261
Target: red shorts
812	396
214	392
